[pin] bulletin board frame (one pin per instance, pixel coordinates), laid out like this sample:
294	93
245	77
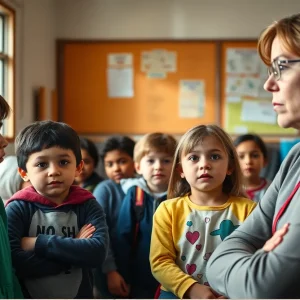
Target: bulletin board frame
81	87
83	100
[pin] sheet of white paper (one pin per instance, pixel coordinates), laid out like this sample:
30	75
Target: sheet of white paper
119	60
191	98
258	111
120	83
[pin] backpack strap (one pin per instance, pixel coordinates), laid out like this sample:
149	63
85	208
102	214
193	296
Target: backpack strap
139	206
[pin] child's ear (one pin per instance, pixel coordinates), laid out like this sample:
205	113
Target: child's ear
180	171
229	171
137	168
79	168
23	174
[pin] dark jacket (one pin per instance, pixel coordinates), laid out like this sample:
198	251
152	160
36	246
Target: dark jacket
60	265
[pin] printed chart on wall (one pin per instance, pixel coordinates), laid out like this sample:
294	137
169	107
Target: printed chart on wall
248	106
120	75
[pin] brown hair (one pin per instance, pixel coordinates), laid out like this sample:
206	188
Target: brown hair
287	30
157	141
232	184
4	108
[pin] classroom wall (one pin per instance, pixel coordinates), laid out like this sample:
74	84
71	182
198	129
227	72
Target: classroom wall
40	22
35	55
94	19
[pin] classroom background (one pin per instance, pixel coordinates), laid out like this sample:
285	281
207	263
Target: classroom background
50	33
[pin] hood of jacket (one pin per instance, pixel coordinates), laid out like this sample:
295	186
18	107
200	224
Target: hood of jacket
77	195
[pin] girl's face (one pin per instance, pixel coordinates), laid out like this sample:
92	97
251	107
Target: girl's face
206	166
286	91
251	159
88	167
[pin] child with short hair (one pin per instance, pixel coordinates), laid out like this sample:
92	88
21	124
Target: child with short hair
153	157
88	178
253	157
57	231
9	285
205	207
116	154
10	179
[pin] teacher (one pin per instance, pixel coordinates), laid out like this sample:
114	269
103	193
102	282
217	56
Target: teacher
241	267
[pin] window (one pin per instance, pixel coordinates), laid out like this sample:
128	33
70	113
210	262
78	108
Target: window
7	64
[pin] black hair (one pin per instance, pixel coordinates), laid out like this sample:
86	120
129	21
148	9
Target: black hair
117	142
91	148
43	135
256	139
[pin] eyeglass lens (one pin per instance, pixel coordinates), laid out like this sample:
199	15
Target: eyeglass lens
274	69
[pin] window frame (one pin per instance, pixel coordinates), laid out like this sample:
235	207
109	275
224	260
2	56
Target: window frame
7	55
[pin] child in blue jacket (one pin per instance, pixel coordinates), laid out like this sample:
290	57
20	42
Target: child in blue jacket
153	157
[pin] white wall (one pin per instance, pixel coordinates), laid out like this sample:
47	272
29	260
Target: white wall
40	22
95	19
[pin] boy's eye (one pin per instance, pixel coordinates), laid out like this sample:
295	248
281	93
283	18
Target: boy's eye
64	162
41	165
123	162
150	161
108	164
167	161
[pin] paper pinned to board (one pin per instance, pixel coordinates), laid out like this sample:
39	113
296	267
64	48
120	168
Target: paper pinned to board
158	61
119	60
191	98
120	83
258	111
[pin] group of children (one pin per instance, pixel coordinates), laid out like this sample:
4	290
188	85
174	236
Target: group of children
71	231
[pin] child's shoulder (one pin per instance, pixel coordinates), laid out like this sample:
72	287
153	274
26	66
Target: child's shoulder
108	183
242	200
175	202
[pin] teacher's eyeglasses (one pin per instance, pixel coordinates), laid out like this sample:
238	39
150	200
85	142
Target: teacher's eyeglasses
278	66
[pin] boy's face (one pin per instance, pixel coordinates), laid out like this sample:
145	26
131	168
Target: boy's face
156	169
118	165
52	172
88	167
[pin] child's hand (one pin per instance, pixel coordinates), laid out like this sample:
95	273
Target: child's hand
276	239
28	243
200	291
117	285
86	232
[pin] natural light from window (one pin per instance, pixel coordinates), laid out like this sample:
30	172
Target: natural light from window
7	64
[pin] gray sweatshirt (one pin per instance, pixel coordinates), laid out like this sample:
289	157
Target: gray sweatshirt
239	268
